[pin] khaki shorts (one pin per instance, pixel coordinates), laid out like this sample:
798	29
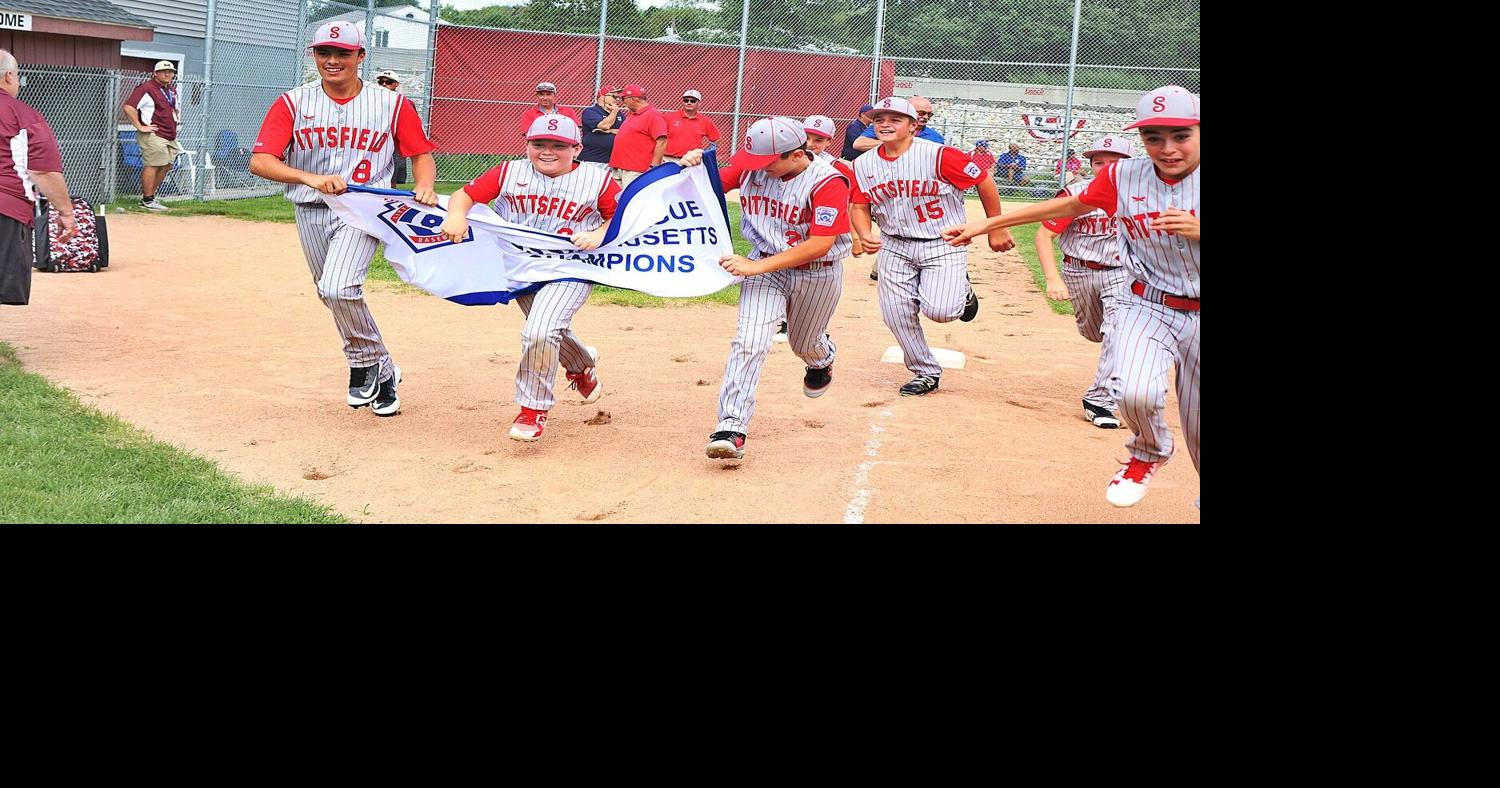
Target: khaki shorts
624	177
155	151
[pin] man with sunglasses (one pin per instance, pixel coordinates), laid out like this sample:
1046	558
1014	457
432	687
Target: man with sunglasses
686	130
546	104
923	107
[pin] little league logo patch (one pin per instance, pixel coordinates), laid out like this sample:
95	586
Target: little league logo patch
825	216
418	228
972	170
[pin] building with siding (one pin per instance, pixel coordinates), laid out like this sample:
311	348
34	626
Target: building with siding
69	33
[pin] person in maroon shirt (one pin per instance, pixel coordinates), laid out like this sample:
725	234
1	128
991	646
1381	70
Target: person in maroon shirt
152	109
29	162
686	131
546	104
642	141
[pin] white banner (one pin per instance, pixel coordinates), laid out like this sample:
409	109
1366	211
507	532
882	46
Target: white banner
1050	128
665	239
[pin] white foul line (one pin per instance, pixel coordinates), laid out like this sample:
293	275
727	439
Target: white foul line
854	513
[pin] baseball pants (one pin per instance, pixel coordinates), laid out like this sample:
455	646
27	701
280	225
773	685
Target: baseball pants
339	258
1096	299
547	338
805	299
920	277
1153	337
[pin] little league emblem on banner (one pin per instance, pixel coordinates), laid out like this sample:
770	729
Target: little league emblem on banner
418	228
666	238
1050	128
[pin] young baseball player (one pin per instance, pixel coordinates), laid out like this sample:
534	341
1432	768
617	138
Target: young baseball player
819	130
1156	204
550	190
794	211
1091	277
319	138
915	189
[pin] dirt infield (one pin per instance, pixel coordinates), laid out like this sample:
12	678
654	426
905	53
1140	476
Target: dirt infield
212	338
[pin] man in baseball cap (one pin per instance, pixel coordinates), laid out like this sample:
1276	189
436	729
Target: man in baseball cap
388	79
152	109
687	130
601	124
852	132
642	141
546	105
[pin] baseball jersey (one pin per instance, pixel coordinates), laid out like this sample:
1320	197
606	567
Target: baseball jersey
1093	234
533	113
778	213
576	201
26	144
156	104
356	138
920	193
838	164
1132	192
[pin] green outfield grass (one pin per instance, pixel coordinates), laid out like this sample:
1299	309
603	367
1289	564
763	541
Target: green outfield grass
277	209
62	462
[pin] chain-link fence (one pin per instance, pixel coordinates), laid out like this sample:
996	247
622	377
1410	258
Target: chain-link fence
1044	75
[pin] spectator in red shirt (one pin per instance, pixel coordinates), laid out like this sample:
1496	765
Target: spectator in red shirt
983	156
152	109
29	162
642	141
686	131
546	104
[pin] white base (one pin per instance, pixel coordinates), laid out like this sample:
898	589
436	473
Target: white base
947	359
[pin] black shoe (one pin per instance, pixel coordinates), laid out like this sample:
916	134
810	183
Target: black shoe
781	329
816	381
364	384
874	273
919	385
971	307
1100	417
726	445
386	401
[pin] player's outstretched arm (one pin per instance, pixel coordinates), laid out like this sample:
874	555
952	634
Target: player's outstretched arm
456	226
1057	208
424	171
1057	290
812	249
989	197
273	169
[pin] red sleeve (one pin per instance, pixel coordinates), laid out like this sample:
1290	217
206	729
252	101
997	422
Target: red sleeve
609	199
658	125
276	130
1057	226
838	164
712	132
730	177
487	186
1102	192
830	204
410	139
42	154
135	96
955	167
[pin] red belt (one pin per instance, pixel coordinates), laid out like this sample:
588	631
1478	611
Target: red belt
1173	301
814	264
1087	263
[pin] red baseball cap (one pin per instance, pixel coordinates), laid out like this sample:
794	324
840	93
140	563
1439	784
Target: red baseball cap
340	35
606	89
766	140
633	90
1166	106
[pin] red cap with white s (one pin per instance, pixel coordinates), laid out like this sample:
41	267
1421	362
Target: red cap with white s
1166	106
766	140
558	128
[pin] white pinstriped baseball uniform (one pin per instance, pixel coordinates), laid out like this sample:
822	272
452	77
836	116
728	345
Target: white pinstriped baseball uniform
567	204
775	215
354	140
1151	335
1089	241
920	274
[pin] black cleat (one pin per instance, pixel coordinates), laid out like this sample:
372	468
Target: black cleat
363	385
386	401
726	445
919	385
817	381
971	307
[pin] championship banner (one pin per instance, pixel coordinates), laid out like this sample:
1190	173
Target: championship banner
1050	128
665	239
